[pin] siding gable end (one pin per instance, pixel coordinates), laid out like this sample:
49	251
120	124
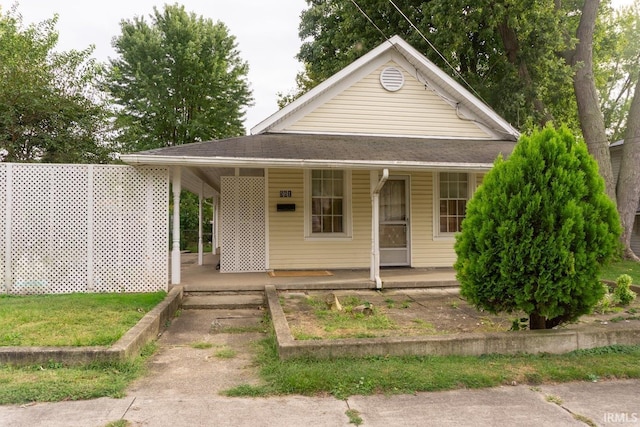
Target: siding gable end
366	107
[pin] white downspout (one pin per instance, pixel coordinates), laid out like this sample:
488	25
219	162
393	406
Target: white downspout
375	227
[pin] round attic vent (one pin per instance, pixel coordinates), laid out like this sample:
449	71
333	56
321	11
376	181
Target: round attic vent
392	79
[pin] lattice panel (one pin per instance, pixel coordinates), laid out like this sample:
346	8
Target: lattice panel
144	253
44	249
131	229
242	224
3	219
107	230
79	228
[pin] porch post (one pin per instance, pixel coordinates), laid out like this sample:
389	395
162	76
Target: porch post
175	253
373	178
200	223
375	224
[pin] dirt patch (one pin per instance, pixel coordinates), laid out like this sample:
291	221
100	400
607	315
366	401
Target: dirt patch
410	312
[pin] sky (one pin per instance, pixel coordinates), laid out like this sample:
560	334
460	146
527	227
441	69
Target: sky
266	32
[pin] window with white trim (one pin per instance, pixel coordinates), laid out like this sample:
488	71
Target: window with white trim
453	192
327	203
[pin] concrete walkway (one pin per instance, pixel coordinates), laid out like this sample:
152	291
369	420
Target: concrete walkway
183	386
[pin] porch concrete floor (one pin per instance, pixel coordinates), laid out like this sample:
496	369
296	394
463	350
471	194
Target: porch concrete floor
205	278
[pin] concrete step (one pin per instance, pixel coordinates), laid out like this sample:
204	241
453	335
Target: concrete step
228	301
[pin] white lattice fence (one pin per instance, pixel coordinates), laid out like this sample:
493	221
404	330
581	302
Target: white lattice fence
83	228
3	227
242	223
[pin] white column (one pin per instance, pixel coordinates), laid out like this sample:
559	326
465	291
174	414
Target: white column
375	225
373	180
200	196
175	252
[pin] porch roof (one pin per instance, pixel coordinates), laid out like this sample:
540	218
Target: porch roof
321	150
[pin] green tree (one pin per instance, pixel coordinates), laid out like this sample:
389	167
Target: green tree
178	79
50	107
617	66
537	232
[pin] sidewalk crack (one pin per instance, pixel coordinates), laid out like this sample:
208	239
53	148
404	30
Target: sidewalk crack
128	408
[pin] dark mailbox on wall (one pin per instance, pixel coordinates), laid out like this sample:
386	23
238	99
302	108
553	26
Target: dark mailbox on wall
286	207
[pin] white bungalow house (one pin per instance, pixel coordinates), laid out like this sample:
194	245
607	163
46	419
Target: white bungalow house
371	168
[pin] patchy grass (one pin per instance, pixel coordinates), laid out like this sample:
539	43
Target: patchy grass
71	320
55	382
612	271
225	353
354	417
552	398
343	377
201	345
346	323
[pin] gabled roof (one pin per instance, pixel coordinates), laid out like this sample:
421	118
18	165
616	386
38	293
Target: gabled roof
437	80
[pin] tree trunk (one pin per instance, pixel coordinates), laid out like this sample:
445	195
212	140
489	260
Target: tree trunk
628	188
589	113
537	322
512	49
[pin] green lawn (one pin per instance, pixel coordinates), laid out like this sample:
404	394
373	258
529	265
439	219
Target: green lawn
54	382
611	272
71	320
343	377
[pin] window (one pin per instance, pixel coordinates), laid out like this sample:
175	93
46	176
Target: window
453	194
328	203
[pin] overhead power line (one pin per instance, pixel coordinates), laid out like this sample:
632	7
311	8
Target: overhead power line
435	50
370	20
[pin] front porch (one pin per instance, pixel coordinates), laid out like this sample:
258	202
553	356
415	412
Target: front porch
205	278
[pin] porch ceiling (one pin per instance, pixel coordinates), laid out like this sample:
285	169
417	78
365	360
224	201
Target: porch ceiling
192	177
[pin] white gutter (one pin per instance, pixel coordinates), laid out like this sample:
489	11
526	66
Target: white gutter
251	162
375	228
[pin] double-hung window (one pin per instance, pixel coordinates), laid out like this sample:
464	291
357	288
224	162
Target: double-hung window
453	192
328	203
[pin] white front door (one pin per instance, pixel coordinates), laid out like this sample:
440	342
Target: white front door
394	222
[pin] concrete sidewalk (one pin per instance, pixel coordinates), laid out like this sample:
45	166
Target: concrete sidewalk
606	403
182	389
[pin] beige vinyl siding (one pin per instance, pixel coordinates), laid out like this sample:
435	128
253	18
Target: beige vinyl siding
366	107
288	248
425	251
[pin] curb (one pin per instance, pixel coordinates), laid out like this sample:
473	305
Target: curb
125	348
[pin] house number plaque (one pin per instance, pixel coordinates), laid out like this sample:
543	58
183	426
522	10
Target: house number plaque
285	193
